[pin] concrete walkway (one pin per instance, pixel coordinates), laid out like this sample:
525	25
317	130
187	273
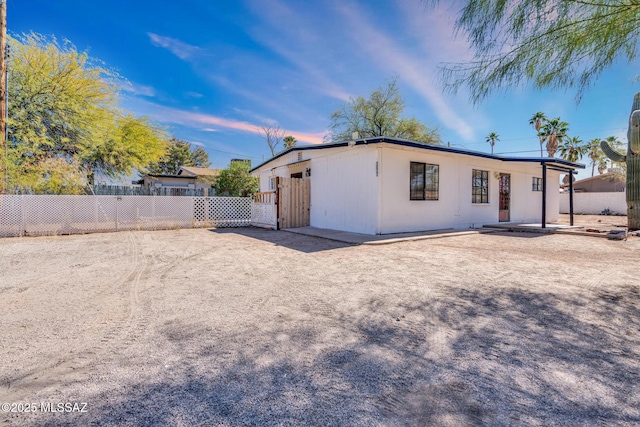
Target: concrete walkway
381	239
385	239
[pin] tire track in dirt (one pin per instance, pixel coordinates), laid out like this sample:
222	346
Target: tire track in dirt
73	365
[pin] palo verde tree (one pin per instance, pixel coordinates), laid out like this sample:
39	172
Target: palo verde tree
179	153
65	124
556	44
379	115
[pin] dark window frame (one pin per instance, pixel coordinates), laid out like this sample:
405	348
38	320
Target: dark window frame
427	188
479	186
536	184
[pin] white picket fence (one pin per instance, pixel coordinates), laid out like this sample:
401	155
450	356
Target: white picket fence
37	215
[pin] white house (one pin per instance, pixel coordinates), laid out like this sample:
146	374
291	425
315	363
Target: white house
385	185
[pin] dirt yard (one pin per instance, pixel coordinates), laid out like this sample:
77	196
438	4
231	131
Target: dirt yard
257	327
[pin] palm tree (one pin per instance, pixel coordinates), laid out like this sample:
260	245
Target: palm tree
554	131
602	165
537	120
572	149
492	138
616	143
595	154
289	142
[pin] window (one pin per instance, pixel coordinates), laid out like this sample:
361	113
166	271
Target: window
480	186
424	181
536	184
272	183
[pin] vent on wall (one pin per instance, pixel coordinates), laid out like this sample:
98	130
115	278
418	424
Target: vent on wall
299	155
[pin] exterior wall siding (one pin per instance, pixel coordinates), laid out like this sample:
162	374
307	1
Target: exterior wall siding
344	190
347	195
343	186
454	208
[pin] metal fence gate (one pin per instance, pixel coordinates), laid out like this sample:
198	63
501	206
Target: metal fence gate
37	215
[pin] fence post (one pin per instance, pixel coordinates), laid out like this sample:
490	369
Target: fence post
117	198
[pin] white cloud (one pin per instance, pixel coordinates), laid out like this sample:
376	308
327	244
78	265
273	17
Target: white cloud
391	56
138	89
180	49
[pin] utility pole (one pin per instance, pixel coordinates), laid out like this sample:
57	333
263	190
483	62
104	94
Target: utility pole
3	94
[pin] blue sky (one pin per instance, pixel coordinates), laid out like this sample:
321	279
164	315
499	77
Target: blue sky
213	71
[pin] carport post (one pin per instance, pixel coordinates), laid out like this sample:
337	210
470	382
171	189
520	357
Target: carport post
544	195
571	198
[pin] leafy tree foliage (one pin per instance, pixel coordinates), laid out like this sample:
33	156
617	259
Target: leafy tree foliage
236	181
550	43
64	122
180	153
492	138
379	115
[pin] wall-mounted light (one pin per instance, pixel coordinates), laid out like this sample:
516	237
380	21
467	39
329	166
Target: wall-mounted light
307	172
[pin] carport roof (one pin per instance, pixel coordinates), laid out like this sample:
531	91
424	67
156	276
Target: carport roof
552	162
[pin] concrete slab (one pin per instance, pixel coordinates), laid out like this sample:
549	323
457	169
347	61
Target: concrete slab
575	230
380	239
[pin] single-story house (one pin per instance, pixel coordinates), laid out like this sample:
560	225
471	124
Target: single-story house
605	183
386	185
187	178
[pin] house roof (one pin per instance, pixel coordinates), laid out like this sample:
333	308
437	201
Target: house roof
193	171
609	176
553	162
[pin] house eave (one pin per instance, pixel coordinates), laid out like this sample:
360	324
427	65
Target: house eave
561	163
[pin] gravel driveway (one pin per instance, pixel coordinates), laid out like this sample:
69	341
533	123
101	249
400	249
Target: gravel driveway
257	327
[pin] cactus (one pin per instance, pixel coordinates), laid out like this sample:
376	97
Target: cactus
632	159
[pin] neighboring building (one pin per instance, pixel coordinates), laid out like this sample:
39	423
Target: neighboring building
387	185
605	183
186	178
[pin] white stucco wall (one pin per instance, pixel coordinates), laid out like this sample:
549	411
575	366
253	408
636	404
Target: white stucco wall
347	195
344	190
595	203
454	208
343	185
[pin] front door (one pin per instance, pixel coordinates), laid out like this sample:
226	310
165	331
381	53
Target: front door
505	197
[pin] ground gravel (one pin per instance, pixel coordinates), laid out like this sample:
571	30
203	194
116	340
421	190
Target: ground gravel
257	327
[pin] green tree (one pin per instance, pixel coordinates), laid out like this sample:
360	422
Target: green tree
537	120
179	153
236	181
64	116
553	131
289	142
550	43
596	155
379	115
572	149
492	138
